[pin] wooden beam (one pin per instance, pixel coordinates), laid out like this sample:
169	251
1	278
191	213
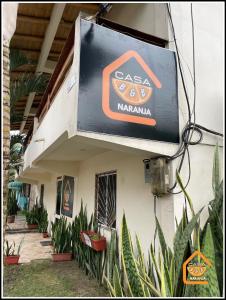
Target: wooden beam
25	98
33	38
52	53
85	6
61	61
51	30
66	24
39	20
32	19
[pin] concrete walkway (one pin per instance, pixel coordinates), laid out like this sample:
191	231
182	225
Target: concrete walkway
31	248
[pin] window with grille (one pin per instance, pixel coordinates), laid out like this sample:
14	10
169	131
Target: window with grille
105	208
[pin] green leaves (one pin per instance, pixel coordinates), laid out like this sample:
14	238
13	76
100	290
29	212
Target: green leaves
43	221
17	59
112	256
94	263
117	283
61	236
162	276
26	84
216	171
12	203
162	241
134	282
212	289
185	192
181	250
10	249
115	288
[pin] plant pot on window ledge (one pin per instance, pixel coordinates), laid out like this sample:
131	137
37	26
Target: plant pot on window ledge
93	240
62	256
11	260
11	219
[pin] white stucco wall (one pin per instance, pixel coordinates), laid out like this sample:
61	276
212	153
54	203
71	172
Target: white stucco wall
133	195
209	57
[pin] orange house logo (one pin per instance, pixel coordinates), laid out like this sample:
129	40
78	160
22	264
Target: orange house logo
134	90
196	270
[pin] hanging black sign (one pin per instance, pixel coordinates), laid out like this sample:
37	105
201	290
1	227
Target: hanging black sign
127	87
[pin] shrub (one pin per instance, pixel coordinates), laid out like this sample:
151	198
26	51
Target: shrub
61	236
43	221
9	249
34	216
162	275
12	207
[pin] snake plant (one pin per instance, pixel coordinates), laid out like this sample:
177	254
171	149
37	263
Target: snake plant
61	236
161	275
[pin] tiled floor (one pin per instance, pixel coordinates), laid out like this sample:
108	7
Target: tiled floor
31	247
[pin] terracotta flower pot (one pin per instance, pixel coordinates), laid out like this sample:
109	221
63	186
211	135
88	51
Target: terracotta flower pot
45	234
32	226
61	256
97	245
12	260
11	219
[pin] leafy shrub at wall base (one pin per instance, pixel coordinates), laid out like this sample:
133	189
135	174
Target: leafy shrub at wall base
61	239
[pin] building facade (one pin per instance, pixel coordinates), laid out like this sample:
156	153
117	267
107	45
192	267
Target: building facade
73	161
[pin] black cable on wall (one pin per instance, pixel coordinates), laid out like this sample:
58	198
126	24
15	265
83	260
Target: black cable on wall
191	125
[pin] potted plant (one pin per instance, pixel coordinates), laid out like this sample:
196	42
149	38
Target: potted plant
10	258
94	240
43	223
34	216
11	207
61	240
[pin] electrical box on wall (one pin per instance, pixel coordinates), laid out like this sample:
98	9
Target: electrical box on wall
159	170
156	172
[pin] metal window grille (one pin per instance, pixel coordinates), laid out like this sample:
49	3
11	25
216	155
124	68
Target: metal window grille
105	208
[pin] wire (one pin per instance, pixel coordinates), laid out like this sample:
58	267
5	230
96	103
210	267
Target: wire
179	62
104	8
190	127
186	136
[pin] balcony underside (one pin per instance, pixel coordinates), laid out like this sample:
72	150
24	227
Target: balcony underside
65	154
